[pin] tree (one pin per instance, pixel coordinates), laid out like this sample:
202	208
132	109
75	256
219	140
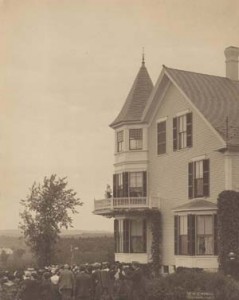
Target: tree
18	253
45	212
228	228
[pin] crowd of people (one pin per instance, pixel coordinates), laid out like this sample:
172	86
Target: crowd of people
86	282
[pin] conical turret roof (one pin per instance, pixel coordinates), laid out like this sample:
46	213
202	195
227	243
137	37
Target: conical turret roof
137	99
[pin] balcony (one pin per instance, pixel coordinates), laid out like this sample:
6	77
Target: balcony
110	205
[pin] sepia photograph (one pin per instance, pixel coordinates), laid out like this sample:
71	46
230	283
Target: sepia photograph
119	149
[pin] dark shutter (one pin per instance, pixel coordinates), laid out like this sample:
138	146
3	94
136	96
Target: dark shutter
215	236
176	235
114	185
206	178
190	180
161	134
144	236
144	184
116	234
189	130
175	133
125	184
126	229
191	234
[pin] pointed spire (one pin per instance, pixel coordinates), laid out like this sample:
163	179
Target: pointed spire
143	61
136	101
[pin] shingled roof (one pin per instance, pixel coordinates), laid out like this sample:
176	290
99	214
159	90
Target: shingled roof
137	99
217	98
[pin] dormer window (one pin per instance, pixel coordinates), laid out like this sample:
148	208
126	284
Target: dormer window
120	140
136	139
182	131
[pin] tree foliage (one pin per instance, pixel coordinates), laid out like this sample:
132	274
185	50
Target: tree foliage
45	211
228	228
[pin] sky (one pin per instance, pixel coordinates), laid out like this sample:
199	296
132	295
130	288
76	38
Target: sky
66	67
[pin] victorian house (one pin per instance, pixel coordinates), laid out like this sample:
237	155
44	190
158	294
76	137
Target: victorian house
176	149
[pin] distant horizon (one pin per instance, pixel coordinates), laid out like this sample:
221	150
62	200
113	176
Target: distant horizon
66	68
64	230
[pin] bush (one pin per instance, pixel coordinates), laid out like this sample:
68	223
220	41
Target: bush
158	289
175	286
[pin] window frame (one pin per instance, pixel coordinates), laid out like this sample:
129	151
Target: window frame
199	178
125	241
193	235
138	132
136	184
126	191
120	141
183	131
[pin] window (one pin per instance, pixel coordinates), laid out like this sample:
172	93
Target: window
183	235
136	184
204	235
182	131
120	141
130	184
130	236
196	235
198	179
161	138
135	139
119	185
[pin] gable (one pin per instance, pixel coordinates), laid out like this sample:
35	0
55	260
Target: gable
215	98
174	103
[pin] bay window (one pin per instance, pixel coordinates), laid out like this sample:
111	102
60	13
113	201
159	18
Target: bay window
130	236
196	234
135	139
120	140
130	184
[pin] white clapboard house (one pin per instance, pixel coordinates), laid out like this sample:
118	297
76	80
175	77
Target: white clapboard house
176	149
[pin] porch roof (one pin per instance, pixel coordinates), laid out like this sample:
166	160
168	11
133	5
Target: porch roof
197	204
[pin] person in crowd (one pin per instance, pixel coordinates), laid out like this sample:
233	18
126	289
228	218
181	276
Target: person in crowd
29	288
8	287
66	283
105	294
47	292
137	288
96	281
83	285
54	281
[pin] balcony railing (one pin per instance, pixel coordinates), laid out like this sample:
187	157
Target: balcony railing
111	204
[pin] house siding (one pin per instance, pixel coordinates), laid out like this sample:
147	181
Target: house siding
168	173
235	172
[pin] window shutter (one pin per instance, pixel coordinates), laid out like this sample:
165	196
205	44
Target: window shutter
145	236
191	234
116	234
176	235
125	184
114	185
190	180
175	133
126	235
215	236
206	177
144	184
161	137
189	130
